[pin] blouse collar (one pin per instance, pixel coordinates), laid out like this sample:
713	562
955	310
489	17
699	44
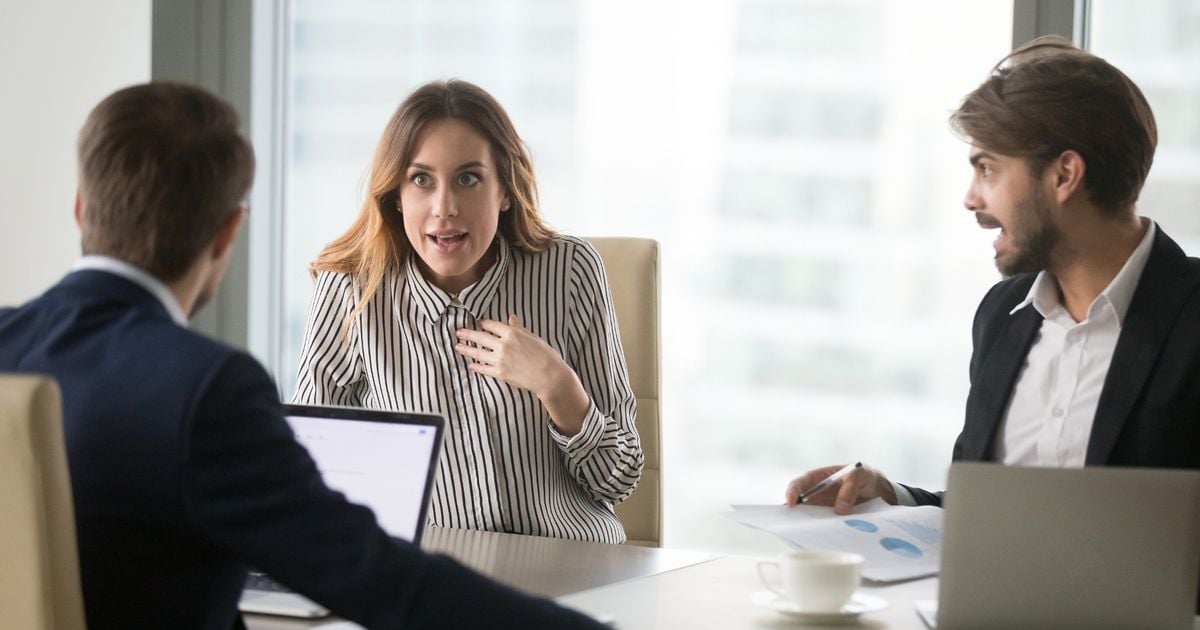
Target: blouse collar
433	302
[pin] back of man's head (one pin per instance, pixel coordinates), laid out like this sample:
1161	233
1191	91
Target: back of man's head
161	167
1048	97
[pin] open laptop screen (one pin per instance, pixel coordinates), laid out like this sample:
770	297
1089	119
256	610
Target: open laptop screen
382	460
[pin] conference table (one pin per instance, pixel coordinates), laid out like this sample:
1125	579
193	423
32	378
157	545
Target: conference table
634	587
637	588
549	567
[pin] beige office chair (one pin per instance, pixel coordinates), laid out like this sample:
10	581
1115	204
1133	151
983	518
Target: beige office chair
632	267
39	566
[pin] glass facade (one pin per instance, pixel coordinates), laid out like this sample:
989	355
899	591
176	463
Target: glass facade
1155	42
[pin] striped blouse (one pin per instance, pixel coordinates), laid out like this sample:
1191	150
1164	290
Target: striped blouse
504	466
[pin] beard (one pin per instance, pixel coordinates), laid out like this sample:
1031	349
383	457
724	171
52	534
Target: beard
1033	237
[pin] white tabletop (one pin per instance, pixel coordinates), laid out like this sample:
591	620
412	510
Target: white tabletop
639	588
717	594
548	567
551	567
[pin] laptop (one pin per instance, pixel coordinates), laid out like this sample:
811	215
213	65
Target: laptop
1056	548
381	459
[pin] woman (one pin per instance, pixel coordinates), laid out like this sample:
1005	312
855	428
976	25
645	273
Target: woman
449	295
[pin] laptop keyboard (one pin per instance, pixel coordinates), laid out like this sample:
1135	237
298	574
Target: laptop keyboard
263	582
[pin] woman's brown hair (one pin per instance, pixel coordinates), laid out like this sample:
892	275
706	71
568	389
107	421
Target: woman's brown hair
376	240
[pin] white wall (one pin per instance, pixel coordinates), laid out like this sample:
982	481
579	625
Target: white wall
57	60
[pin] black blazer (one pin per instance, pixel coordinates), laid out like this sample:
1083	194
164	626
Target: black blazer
184	473
1149	409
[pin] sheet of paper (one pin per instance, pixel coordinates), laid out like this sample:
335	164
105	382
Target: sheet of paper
897	543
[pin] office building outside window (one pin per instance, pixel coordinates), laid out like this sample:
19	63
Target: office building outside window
1155	43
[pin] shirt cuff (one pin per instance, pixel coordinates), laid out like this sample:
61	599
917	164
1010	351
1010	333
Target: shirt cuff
903	496
589	434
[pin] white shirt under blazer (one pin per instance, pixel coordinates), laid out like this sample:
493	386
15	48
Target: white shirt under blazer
1049	419
504	466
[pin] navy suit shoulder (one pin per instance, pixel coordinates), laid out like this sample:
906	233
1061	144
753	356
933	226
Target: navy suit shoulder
184	473
131	381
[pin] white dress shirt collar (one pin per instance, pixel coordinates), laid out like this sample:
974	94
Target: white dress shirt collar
138	277
1044	294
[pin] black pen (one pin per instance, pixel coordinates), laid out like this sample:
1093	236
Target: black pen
829	481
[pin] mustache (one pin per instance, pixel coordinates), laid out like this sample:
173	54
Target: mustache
987	221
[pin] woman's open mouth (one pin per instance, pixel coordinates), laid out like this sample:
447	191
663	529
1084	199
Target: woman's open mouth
447	242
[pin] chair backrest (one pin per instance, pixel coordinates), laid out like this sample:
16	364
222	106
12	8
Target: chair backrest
633	275
39	574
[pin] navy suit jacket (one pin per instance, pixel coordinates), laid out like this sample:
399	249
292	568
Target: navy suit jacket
1149	409
184	473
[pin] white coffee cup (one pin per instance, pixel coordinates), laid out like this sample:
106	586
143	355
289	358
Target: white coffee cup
815	581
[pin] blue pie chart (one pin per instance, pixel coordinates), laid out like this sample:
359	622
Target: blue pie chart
861	525
900	547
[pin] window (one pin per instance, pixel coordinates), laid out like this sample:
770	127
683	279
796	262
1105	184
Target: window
792	157
1154	43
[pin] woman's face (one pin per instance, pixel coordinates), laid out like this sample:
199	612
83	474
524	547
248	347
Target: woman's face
451	199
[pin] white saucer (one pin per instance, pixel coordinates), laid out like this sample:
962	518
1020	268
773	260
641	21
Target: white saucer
859	604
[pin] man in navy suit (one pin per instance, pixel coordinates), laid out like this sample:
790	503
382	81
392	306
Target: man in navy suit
183	470
1088	353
